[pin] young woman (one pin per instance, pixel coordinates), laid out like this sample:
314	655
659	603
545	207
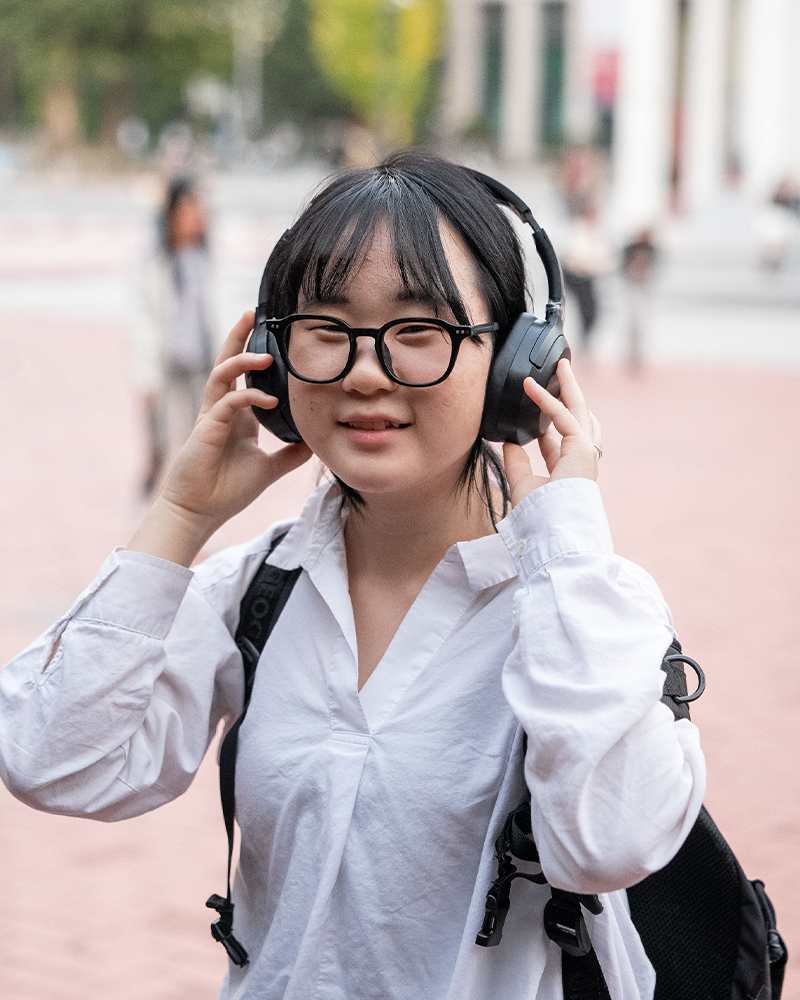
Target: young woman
440	613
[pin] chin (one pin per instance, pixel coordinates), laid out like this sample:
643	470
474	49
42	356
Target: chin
367	487
368	477
408	489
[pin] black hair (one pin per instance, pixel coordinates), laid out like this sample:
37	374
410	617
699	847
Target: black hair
177	189
411	193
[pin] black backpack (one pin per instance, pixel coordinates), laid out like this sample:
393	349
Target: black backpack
709	932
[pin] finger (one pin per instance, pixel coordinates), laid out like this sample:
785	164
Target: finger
517	463
235	341
223	411
519	473
565	421
223	378
550	447
571	394
520	476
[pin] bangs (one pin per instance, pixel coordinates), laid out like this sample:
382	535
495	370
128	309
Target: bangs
328	245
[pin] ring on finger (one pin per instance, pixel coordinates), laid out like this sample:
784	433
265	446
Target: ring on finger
599	451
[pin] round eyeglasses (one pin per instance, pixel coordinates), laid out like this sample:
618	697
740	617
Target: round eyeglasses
414	351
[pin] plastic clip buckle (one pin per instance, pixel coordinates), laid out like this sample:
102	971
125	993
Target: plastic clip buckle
497	905
222	929
564	925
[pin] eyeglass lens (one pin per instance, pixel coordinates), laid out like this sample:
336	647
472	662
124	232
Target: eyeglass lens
414	352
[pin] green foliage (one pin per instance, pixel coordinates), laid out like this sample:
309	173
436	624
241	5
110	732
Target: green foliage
134	54
295	89
10	96
382	57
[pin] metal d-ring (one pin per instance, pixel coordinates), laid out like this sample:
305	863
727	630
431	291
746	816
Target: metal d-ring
701	677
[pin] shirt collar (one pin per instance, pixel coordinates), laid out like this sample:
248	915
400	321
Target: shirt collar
321	521
486	561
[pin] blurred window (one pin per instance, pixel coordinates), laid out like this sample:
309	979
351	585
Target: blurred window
554	27
493	34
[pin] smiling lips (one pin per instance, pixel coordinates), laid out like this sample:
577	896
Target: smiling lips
374	425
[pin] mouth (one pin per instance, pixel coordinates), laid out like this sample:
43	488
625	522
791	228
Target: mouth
373	425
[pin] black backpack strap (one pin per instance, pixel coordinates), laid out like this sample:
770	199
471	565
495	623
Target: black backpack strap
260	609
582	977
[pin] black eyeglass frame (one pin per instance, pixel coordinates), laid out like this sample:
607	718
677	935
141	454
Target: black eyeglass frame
458	334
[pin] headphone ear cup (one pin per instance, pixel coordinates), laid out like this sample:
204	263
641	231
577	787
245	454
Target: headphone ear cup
274	381
533	348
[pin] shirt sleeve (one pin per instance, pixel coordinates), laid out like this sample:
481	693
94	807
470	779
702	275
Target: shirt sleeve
109	713
616	783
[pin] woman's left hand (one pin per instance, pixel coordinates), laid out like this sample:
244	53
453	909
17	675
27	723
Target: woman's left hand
568	444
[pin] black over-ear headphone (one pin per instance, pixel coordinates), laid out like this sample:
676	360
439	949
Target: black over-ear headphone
533	348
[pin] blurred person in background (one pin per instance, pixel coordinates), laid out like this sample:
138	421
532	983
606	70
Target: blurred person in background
579	176
588	255
638	265
777	224
173	340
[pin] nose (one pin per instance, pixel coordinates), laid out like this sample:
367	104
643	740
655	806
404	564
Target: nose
367	375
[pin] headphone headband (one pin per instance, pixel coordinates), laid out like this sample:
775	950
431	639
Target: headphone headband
552	269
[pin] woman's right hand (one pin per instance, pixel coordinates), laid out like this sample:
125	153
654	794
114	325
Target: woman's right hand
221	469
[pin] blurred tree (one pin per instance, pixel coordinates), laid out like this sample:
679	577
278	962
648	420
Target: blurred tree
92	62
295	89
9	87
80	66
383	57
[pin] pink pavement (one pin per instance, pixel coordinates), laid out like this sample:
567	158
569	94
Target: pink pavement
701	476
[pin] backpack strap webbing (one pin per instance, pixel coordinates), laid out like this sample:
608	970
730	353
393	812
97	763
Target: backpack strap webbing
582	977
260	609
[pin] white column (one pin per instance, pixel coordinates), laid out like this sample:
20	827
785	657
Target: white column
793	125
249	36
463	75
579	110
703	165
643	121
765	98
519	137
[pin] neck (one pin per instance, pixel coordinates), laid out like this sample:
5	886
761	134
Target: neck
404	538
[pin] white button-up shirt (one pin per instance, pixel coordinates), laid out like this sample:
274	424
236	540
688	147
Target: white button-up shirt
369	818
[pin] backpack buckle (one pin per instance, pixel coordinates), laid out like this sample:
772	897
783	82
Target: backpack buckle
564	924
498	902
222	929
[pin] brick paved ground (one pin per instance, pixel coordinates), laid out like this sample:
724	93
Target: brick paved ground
701	477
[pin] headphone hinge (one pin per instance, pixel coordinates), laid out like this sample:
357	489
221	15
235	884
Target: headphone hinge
554	310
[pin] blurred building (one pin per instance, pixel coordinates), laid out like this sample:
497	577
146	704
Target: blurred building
686	95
